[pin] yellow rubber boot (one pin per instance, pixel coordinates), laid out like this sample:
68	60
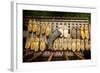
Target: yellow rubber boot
48	30
38	30
27	44
73	44
82	45
86	32
82	32
78	45
30	25
69	44
65	44
34	26
43	27
35	44
42	44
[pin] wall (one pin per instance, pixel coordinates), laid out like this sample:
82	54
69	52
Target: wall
5	34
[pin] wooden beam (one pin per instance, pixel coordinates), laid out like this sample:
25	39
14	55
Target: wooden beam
66	57
35	56
50	57
27	54
81	57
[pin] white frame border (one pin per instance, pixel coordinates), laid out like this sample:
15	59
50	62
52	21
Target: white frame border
16	63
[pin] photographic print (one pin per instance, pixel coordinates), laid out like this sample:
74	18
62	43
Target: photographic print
56	36
52	36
